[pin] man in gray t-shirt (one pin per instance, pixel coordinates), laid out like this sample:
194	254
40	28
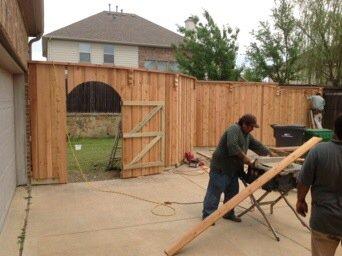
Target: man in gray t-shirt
322	172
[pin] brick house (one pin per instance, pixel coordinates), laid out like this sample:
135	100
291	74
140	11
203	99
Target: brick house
114	38
19	20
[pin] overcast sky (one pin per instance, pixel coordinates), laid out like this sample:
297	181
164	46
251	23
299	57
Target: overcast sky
244	14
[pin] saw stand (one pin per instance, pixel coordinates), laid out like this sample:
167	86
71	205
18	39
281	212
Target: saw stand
258	203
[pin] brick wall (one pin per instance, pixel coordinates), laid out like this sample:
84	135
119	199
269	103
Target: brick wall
13	33
155	53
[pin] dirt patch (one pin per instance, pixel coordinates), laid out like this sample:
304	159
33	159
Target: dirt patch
75	176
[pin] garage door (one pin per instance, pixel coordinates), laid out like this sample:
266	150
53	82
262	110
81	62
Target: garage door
7	145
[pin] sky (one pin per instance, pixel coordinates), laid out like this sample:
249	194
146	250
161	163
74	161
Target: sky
243	14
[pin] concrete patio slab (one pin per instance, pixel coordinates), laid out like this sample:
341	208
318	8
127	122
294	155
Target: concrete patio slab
76	219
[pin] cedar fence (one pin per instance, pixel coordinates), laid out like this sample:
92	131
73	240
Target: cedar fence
163	114
219	104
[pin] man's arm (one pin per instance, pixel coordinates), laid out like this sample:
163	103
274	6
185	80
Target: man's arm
306	178
301	205
244	158
233	145
258	147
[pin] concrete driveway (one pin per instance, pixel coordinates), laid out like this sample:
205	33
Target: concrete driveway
76	219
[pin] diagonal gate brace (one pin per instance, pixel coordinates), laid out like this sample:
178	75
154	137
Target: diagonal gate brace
267	176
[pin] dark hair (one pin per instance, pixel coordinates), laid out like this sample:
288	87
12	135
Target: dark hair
338	126
317	93
248	119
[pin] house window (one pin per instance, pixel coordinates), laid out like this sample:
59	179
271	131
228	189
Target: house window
161	65
85	49
108	54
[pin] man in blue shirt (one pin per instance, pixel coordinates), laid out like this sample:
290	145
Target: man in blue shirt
322	172
227	164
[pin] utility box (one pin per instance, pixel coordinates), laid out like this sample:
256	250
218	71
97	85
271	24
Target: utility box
288	135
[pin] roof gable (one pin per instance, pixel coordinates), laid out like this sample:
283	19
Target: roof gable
115	27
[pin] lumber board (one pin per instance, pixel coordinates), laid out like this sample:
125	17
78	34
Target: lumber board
146	118
142	103
142	134
145	150
136	117
204	154
145	96
202	226
284	149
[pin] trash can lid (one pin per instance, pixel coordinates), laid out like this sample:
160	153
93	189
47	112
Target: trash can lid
293	126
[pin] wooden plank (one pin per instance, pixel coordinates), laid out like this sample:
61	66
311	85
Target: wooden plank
142	103
58	114
54	120
121	79
198	229
42	91
145	126
33	118
62	129
204	154
161	122
142	134
144	151
144	165
136	118
154	124
167	121
146	118
174	109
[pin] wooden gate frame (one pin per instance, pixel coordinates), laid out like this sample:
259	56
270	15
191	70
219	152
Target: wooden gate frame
158	135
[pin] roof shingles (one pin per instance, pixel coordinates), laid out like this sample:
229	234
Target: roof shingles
114	27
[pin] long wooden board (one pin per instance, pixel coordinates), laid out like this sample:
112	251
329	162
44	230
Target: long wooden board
211	219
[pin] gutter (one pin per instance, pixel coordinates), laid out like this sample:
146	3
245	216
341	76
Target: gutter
35	39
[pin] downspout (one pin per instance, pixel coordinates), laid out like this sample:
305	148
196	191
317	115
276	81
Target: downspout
35	39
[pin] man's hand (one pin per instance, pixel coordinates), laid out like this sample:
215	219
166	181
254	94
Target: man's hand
251	163
273	154
302	208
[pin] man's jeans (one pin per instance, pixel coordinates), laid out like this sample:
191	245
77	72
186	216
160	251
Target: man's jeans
219	183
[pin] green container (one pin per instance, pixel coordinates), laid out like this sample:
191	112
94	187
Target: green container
325	134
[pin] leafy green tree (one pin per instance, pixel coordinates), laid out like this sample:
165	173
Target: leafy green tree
321	23
276	48
207	52
252	74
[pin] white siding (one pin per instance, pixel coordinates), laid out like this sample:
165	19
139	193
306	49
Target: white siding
126	56
68	51
97	53
7	144
64	51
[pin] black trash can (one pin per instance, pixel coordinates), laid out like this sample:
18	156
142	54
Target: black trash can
288	135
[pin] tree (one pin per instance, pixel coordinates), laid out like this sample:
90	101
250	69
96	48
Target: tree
276	48
252	74
208	52
321	23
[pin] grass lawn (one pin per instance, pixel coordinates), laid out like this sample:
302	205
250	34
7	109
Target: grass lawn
93	158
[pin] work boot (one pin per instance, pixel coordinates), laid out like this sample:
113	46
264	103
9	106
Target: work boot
232	218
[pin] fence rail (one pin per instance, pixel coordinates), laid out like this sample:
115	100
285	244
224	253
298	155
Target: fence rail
219	104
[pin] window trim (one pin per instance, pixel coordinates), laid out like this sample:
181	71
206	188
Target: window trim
108	54
80	51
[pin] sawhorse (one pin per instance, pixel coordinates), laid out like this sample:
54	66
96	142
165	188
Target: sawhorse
258	202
